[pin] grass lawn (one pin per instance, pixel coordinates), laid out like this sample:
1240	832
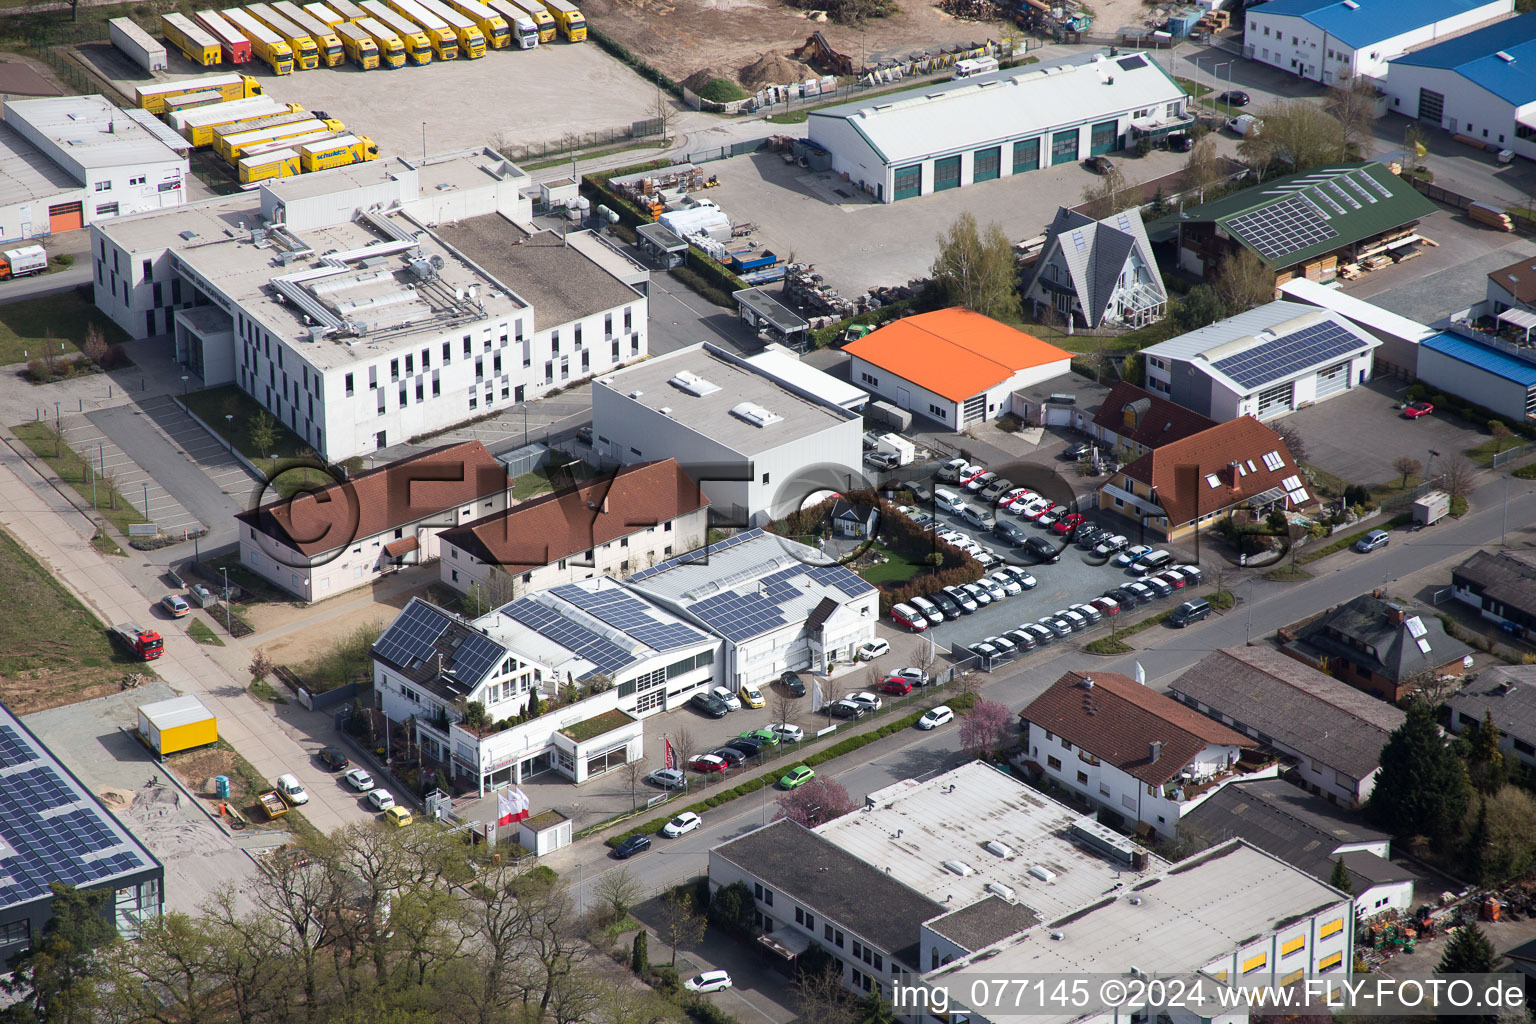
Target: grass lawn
213	405
51	646
1483	454
58	322
549	478
75	471
896	568
200	632
1288	573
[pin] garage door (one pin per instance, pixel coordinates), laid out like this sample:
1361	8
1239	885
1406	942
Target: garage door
66	217
1276	400
975	409
946	173
909	181
1333	379
1058	416
1104	137
1431	106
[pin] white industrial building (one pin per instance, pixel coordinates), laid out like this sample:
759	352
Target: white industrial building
758	444
373	303
779	604
998	124
1399	336
1332	41
1481	85
619	656
1266	362
70	161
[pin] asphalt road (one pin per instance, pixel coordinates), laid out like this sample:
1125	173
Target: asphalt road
48	284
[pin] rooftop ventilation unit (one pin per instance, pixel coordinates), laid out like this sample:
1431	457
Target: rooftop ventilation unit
1043	873
1351	5
693	384
755	414
636	394
999	889
1505	56
1103	840
994	847
960	868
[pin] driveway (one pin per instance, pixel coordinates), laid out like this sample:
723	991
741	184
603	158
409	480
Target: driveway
759	994
1357	436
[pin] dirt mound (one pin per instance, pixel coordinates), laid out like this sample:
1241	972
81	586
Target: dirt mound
773	69
699	79
117	799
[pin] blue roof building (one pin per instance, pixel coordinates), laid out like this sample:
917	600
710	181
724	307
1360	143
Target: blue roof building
1482	84
1491	374
1332	41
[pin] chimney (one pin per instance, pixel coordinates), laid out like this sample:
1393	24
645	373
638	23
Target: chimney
1377	593
1157	750
1087	682
605	504
1395	614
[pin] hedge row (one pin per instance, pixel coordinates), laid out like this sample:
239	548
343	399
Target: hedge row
714	274
959	702
821	337
701	287
1466	410
617	50
1346	541
601	194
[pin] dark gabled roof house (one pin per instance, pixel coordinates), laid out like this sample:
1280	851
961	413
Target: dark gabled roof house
1378	646
1500	584
1099	271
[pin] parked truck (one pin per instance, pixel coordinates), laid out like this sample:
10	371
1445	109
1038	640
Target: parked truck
265	44
144	644
192	100
196	43
238	146
361	48
181	723
236	48
498	31
337	152
23	262
196	126
445	44
391	47
263	148
473	40
230	87
543	21
1431	507
569	20
138	45
280	164
347	10
418	48
306	52
253	124
524	31
331	51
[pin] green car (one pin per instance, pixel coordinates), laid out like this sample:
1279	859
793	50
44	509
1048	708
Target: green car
767	737
797	777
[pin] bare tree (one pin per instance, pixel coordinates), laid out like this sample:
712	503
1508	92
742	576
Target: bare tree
1107	196
1408	466
1292	438
783	704
684	746
1353	105
1243	281
924	655
1297	135
634	773
109	481
618	891
497	589
824	999
1431	687
967	682
1457	476
831	689
681	924
1203	167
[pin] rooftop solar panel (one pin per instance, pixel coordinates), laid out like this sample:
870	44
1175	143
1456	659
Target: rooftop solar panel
625	611
411	636
1286	355
475	656
606	655
12	750
1290	225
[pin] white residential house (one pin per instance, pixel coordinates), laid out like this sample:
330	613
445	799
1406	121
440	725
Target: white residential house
1099	272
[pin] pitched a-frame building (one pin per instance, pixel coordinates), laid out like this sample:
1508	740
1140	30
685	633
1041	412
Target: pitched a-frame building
1099	272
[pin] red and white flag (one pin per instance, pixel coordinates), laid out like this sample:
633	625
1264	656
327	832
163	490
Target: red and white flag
671	758
511	806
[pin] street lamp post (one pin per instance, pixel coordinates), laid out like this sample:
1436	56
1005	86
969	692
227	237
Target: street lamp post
229	431
228	619
184	385
146	501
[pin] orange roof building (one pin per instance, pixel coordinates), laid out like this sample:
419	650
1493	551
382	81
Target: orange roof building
952	366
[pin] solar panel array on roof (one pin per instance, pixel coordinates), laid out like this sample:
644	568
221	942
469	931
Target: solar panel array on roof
474	656
606	655
1283	356
740	616
1132	63
410	637
1290	225
623	610
697	557
12	750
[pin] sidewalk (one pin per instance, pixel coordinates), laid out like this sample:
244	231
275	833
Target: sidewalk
57	541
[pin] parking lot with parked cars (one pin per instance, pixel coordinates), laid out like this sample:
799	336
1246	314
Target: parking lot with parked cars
1052	573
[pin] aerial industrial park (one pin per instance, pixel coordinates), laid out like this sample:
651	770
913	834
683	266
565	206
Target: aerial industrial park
559	512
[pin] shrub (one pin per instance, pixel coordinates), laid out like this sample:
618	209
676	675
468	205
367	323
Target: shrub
1526	472
722	90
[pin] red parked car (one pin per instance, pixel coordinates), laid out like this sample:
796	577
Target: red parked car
1068	523
897	685
1413	410
707	763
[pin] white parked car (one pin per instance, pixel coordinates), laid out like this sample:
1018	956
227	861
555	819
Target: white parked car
1109	545
913	675
869	650
709	981
865	700
681	825
359	780
728	698
380	799
292	789
1007	581
788	733
936	717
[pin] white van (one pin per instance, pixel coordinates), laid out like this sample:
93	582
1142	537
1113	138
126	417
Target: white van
929	610
947	501
975	66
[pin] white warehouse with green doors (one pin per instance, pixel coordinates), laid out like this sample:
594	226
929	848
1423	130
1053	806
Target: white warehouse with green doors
999	124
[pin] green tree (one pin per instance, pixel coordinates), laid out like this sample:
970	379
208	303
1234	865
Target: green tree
263	434
1131	370
474	716
1423	787
640	954
1486	766
1468	952
731	906
1243	281
1297	135
1475	854
52	981
1198	308
1340	877
976	269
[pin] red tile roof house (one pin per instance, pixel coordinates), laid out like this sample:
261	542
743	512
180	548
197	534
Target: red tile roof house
615	524
1141	757
347	535
1183	486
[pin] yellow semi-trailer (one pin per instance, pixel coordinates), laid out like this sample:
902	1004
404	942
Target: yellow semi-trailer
445	44
524	32
192	100
543	21
230	87
265	44
196	126
572	25
417	47
306	52
472	40
324	14
194	41
348	10
291	144
281	164
391	49
362	49
223	132
237	146
498	31
237	48
337	152
181	723
331	52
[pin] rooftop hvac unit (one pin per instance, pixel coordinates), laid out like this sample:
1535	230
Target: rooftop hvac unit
423	269
959	867
755	414
999	889
1043	873
693	384
995	847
